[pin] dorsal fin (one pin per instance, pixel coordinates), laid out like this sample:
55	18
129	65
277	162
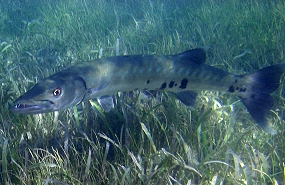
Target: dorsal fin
197	55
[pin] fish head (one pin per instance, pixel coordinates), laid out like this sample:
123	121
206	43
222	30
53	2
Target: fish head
51	94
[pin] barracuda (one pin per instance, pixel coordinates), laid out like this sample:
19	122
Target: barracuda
183	74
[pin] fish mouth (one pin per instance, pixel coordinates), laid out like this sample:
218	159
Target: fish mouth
32	108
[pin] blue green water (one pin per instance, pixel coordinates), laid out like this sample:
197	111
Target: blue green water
39	38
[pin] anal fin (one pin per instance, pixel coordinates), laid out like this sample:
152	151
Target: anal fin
187	97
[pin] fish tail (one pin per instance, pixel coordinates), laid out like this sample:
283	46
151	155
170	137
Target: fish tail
256	97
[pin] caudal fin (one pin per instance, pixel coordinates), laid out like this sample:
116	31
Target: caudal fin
257	97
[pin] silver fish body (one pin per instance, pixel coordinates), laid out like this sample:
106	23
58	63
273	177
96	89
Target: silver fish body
152	72
184	74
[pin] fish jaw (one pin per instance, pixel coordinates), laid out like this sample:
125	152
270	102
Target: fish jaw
32	107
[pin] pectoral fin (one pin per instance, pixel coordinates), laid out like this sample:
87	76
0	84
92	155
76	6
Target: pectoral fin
106	103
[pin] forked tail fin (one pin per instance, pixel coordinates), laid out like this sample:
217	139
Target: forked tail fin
257	97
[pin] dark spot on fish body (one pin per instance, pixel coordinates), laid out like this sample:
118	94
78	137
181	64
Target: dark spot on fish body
231	89
163	86
183	84
147	81
171	84
242	89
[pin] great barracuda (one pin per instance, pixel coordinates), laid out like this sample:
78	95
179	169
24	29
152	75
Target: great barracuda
183	74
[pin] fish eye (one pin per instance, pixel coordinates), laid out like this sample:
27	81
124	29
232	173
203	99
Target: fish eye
56	92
